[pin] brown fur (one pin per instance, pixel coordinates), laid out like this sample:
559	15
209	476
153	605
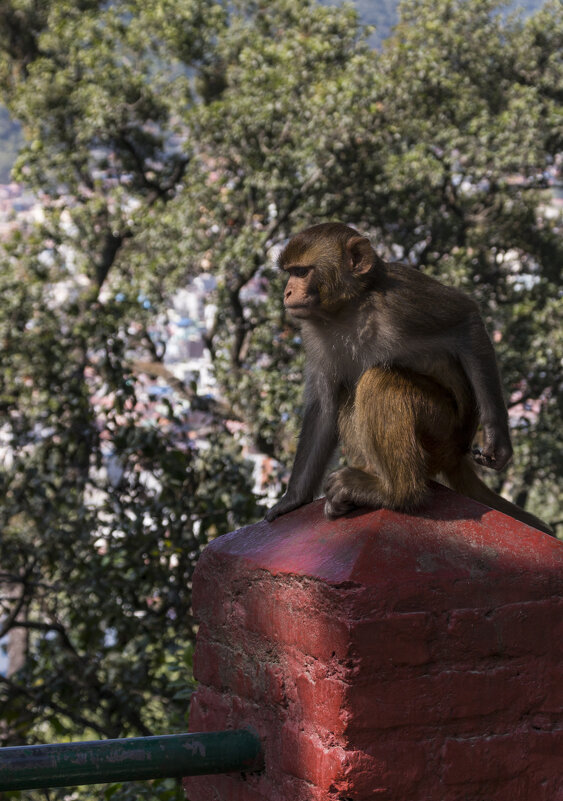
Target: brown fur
393	406
400	369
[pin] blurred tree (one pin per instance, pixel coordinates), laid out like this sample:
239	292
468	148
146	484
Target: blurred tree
104	507
179	137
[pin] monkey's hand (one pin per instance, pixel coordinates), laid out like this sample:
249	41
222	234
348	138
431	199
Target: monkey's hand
286	504
496	450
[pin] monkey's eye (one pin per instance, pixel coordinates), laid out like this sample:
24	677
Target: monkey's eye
299	272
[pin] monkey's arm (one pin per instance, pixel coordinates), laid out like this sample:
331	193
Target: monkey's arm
317	441
478	359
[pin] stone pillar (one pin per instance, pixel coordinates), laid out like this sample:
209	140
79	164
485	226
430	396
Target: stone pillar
385	656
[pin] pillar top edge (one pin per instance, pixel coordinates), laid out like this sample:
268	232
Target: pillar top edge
451	538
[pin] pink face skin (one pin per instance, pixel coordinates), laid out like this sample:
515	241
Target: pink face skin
301	296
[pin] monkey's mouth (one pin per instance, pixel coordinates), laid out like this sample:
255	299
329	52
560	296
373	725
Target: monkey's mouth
299	309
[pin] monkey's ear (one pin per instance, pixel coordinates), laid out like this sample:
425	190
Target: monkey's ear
362	255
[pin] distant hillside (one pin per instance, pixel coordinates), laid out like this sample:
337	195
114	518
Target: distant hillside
382	14
10	142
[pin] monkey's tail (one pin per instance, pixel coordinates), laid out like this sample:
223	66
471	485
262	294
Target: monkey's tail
464	479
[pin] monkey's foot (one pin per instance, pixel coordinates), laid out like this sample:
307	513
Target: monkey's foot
337	506
348	488
339	499
286	504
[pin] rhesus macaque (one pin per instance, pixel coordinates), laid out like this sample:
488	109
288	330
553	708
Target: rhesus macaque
400	369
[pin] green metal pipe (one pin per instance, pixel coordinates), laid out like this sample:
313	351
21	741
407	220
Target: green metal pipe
174	755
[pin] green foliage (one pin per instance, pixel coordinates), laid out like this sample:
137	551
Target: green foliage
103	512
103	516
179	137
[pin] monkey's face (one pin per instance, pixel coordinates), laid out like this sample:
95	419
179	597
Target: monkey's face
301	297
326	265
319	290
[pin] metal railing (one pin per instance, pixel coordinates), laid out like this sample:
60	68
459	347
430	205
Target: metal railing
173	755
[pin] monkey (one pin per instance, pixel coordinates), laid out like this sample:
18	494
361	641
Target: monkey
400	370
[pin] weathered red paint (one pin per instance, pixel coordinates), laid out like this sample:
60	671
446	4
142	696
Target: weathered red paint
385	656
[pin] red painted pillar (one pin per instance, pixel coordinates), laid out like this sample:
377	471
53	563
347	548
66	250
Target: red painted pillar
385	656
